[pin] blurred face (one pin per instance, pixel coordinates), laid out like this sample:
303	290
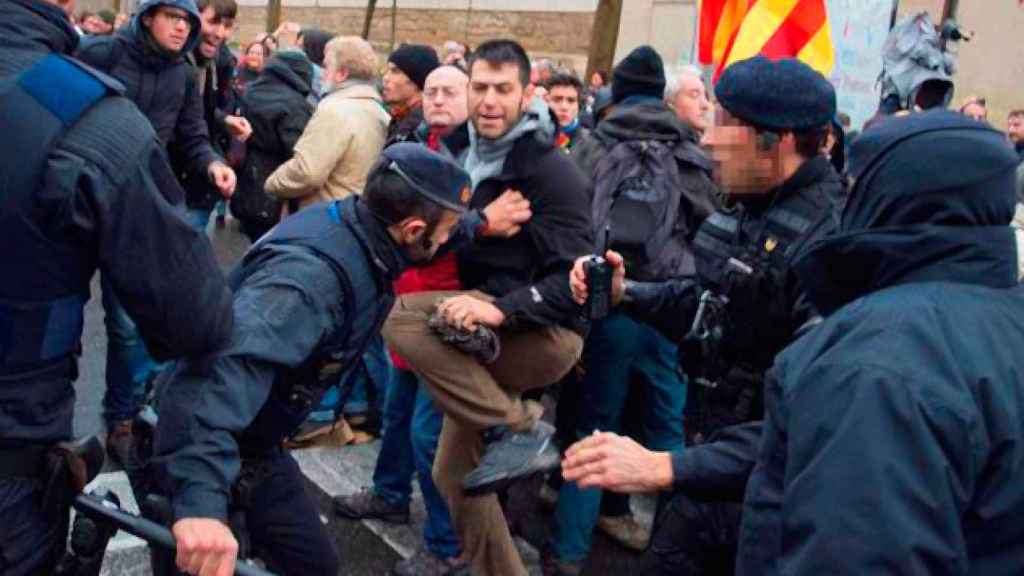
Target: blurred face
596	81
445	103
120	20
691	104
398	88
1015	129
742	164
216	31
497	98
93	25
420	244
565	103
255	57
169	26
976	111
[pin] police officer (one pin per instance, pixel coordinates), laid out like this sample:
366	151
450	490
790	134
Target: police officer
309	297
86	185
744	304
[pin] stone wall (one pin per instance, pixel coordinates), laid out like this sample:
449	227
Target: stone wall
562	35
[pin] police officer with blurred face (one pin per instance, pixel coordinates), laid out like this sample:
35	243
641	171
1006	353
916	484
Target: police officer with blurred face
309	297
85	186
744	304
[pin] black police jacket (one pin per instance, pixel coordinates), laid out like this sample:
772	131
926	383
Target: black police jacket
308	298
107	199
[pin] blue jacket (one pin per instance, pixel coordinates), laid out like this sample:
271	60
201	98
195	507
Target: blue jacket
308	298
162	86
106	199
893	440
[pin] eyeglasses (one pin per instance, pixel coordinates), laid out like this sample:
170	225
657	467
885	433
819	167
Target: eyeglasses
175	16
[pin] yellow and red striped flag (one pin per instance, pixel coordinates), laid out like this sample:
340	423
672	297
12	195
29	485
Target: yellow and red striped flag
734	30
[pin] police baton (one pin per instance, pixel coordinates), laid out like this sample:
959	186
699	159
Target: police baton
102	509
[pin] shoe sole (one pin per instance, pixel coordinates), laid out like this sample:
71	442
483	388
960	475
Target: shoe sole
536	466
390	519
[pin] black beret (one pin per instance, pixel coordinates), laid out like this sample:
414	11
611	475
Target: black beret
430	174
416	61
776	94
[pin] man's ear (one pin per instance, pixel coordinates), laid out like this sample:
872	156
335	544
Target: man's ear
147	21
411	230
528	93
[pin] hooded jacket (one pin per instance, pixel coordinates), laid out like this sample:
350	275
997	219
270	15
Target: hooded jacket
276	107
162	86
892	442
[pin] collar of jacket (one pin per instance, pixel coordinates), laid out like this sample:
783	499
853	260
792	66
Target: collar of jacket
384	253
456	141
280	72
817	170
1019	147
37	24
353	89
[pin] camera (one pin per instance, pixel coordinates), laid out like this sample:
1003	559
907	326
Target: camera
599	287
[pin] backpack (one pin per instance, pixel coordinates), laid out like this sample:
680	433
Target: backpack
635	208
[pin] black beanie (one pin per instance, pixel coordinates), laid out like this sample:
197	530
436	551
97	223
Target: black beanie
416	61
639	73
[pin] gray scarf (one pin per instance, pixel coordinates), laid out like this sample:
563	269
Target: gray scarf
485	157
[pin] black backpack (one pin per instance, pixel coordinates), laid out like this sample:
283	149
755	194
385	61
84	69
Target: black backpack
637	195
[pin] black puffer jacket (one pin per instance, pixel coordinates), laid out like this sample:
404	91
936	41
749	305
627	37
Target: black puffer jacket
278	111
162	86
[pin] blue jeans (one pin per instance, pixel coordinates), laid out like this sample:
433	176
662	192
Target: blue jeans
129	365
412	425
373	371
617	350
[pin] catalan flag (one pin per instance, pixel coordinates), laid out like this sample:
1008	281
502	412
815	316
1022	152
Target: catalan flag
734	30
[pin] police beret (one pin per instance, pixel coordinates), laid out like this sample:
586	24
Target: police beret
776	94
430	174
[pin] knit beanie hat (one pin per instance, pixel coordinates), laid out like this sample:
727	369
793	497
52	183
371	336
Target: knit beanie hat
640	73
416	61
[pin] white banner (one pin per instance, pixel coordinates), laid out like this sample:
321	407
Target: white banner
859	29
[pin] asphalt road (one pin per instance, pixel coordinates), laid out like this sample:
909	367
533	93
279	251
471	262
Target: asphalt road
367	548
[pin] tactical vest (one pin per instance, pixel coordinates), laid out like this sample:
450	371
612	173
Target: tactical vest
744	256
331	232
46	284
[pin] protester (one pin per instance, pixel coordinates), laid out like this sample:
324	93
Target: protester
455	54
621	355
345	135
883	494
120	20
313	41
565	93
254	58
974	108
276	106
490	436
744	304
408	68
148	58
308	298
687	96
214	67
86	187
1015	131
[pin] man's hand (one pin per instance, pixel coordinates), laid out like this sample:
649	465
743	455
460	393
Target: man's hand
506	214
578	278
238	127
223	177
467	312
206	547
613	462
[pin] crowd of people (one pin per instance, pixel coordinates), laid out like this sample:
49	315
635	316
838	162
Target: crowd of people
800	337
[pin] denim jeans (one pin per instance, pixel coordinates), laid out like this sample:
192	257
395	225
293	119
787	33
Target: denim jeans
129	365
412	425
619	354
198	217
374	372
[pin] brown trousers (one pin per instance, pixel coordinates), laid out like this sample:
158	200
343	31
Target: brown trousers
473	398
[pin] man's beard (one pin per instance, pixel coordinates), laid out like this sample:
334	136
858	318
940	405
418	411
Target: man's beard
421	252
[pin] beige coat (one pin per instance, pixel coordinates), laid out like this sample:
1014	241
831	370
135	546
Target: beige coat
336	150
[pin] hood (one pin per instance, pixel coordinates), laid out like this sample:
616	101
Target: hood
290	67
313	42
31	23
141	39
649	119
932	200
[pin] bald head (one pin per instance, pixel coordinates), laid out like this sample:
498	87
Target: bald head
444	98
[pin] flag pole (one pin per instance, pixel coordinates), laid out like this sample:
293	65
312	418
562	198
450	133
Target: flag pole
895	12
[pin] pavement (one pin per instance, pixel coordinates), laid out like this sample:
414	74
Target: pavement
367	547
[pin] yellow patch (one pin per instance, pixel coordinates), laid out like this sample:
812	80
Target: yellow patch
464	198
770	244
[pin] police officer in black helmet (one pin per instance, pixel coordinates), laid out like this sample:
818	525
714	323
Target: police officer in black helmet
309	296
85	185
742	307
